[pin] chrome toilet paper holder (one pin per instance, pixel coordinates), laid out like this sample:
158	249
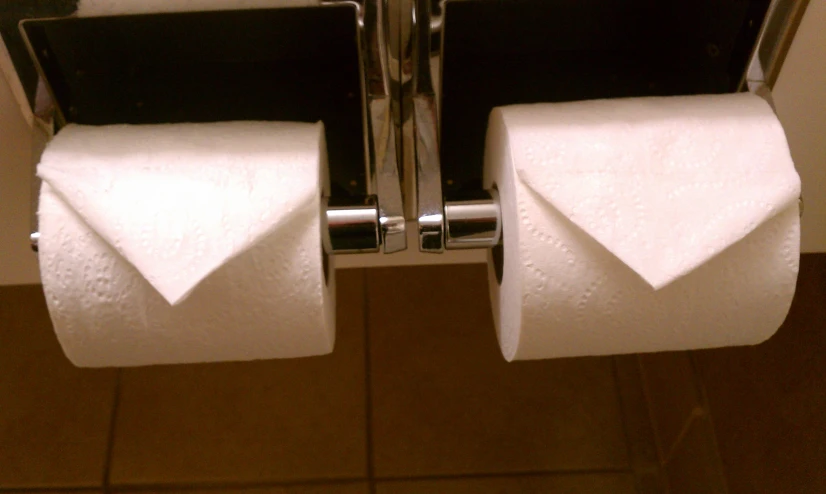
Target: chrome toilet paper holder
371	221
472	219
404	104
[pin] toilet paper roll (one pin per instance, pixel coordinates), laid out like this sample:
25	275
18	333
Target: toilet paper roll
641	225
186	243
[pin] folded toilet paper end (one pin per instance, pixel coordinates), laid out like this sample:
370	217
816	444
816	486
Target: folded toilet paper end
186	243
641	225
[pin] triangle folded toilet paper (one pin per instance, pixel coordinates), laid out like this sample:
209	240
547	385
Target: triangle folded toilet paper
186	242
642	225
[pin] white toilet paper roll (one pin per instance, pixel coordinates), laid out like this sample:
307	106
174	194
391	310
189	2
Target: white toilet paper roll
186	243
641	225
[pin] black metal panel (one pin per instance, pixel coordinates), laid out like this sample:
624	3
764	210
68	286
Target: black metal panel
302	66
280	64
11	13
526	51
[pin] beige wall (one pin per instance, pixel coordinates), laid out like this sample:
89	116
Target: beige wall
800	97
18	264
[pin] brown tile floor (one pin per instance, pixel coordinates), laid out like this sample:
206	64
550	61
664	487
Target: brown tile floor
416	398
445	402
54	418
266	421
442	404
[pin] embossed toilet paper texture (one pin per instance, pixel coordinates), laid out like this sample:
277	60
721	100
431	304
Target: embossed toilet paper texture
185	243
642	225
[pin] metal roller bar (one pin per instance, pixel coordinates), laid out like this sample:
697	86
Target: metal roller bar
351	228
473	222
379	131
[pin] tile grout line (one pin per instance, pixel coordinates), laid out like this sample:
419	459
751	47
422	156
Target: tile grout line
368	393
647	394
186	486
49	490
196	486
672	451
623	415
696	413
689	421
666	483
496	475
221	486
624	419
704	403
110	444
